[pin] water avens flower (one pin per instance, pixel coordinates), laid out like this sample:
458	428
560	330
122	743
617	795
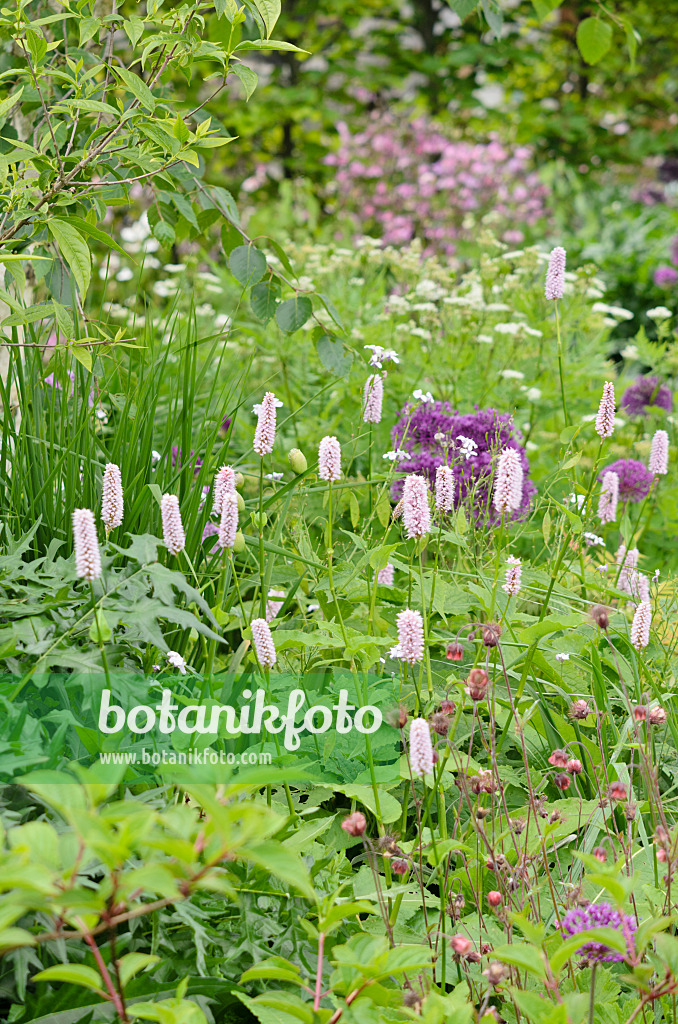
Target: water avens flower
640	627
645	394
635	479
609	497
112	504
416	509
224	482
373	398
264	435
555	274
86	545
514	574
329	459
176	661
599	915
263	643
228	524
172	527
606	410
421	750
508	483
410	636
444	488
659	454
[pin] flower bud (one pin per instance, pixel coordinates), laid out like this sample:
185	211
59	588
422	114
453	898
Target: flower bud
662	856
241	502
440	724
355	824
600	616
657	716
297	461
477	684
239	543
238	480
494	898
461	945
600	854
562	781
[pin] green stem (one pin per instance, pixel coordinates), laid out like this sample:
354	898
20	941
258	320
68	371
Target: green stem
427	653
592	996
262	595
100	639
560	367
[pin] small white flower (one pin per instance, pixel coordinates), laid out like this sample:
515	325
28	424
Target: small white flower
256	409
396	653
382	355
577	499
512	375
659	313
468	447
397	455
618	312
630	352
176	661
486	339
593	540
561	656
425	397
532	394
602	568
155	456
508	328
533	331
273	476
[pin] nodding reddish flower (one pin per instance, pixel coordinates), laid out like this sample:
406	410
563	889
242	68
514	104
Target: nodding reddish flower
618	791
355	824
454	652
574	766
657	716
491	634
440	723
477	684
447	707
600	616
600	854
562	781
461	945
662	856
494	898
559	758
399	866
640	712
579	709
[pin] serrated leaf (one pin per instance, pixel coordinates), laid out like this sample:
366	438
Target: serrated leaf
293	313
164	232
594	39
333	356
248	264
74	250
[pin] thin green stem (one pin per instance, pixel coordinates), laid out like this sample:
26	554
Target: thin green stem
560	367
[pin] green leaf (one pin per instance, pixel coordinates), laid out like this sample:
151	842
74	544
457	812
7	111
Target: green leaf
333	356
462	7
493	16
293	313
137	87
72	974
606	936
83	355
281	862
267	44
101	236
10	101
164	232
268	11
248	264
545	7
521	954
594	39
74	250
134	29
249	78
264	299
227	7
100	630
88	26
180	131
130	964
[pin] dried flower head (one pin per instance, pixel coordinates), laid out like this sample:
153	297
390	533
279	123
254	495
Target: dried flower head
657	716
555	274
410	636
606	411
373	398
112	504
264	435
86	545
609	497
508	482
659	454
440	723
513	576
579	709
416	509
421	750
329	459
263	643
444	489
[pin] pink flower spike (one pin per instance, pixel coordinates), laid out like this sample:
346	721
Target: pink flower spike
513	576
224	481
444	488
329	459
86	545
416	509
606	410
555	274
273	607
410	636
421	750
228	525
384	578
640	628
508	482
172	527
609	497
659	454
263	643
112	503
373	398
264	435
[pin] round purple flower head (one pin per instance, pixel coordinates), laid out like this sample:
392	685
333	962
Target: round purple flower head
635	479
434	434
599	915
665	276
646	392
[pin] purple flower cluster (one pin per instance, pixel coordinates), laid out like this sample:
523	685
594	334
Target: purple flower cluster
645	393
635	479
434	434
409	180
599	915
665	276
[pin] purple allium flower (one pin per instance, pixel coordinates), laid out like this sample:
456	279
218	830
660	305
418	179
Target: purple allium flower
176	459
555	274
665	276
599	915
492	432
635	479
645	393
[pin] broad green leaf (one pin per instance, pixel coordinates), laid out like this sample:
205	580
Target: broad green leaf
545	7
269	12
130	964
462	7
333	356
136	86
607	936
248	264
74	250
248	77
594	39
264	298
293	313
10	101
72	974
522	955
101	236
